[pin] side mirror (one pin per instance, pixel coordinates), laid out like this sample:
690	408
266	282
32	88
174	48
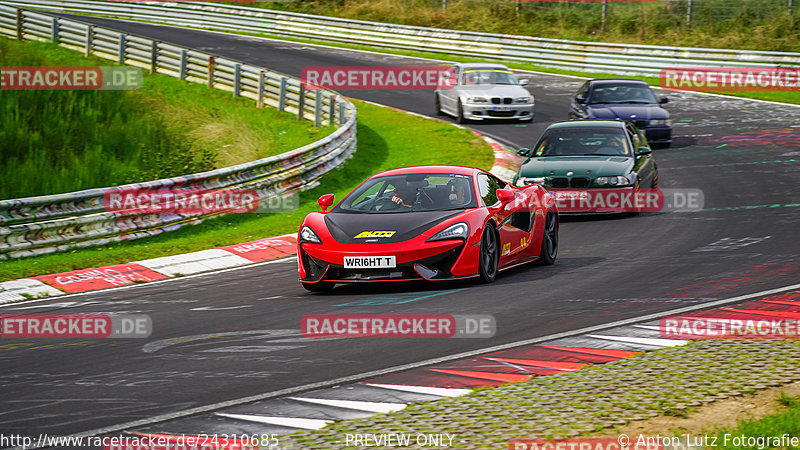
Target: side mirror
643	151
663	100
505	196
325	202
523	81
524	151
580	100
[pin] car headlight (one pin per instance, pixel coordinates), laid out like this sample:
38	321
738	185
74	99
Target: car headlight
613	181
308	235
523	100
527	181
660	122
477	100
458	230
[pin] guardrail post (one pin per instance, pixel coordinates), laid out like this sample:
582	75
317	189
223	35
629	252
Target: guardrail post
791	8
689	13
237	80
54	30
260	101
154	57
331	110
301	102
211	61
605	15
282	96
342	120
182	69
121	55
318	109
89	39
20	25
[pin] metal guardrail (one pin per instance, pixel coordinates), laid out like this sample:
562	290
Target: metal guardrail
46	224
621	59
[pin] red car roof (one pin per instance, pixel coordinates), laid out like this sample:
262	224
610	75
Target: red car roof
459	170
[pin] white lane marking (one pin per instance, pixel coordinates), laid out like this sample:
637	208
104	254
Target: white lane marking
291	259
270	298
251	348
292	422
152	347
374	407
219	308
649	327
636	340
427	362
428	390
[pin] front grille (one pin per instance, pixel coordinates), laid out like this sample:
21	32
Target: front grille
501	113
579	182
505	100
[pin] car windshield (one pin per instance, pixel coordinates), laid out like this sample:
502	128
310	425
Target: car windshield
622	93
410	193
595	141
488	76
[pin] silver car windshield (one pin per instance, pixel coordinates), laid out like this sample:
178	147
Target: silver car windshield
488	77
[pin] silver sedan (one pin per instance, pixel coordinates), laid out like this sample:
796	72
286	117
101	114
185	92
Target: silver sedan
479	91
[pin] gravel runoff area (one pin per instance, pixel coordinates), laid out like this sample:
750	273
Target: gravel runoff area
668	381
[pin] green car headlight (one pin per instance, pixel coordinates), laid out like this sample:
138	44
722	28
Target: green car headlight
527	181
613	181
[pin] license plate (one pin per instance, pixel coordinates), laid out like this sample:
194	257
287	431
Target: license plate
501	108
370	262
572	195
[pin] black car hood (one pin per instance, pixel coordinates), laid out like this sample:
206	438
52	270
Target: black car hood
344	227
628	111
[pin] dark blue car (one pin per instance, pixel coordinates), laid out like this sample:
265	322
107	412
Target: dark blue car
621	99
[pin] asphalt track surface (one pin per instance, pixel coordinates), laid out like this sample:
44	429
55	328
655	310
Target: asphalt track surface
228	335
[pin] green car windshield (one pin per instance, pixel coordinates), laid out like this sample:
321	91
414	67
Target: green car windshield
598	141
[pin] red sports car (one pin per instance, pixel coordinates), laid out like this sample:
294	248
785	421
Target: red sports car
426	223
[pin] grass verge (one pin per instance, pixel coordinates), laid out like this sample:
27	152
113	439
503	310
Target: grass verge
785	422
63	141
386	139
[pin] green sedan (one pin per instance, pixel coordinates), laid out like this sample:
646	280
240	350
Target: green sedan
595	161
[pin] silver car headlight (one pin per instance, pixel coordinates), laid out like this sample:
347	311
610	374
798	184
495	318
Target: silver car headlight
523	100
458	230
660	122
527	181
477	100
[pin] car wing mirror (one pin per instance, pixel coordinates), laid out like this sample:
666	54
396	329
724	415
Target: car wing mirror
524	152
580	100
523	81
644	151
505	196
325	202
663	100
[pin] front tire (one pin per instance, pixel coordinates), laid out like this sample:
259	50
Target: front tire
489	257
460	114
322	286
549	250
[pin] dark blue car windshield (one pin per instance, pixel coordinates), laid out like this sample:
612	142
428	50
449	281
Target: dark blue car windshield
619	94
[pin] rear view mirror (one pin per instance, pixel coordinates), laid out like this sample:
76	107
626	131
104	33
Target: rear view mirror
325	202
